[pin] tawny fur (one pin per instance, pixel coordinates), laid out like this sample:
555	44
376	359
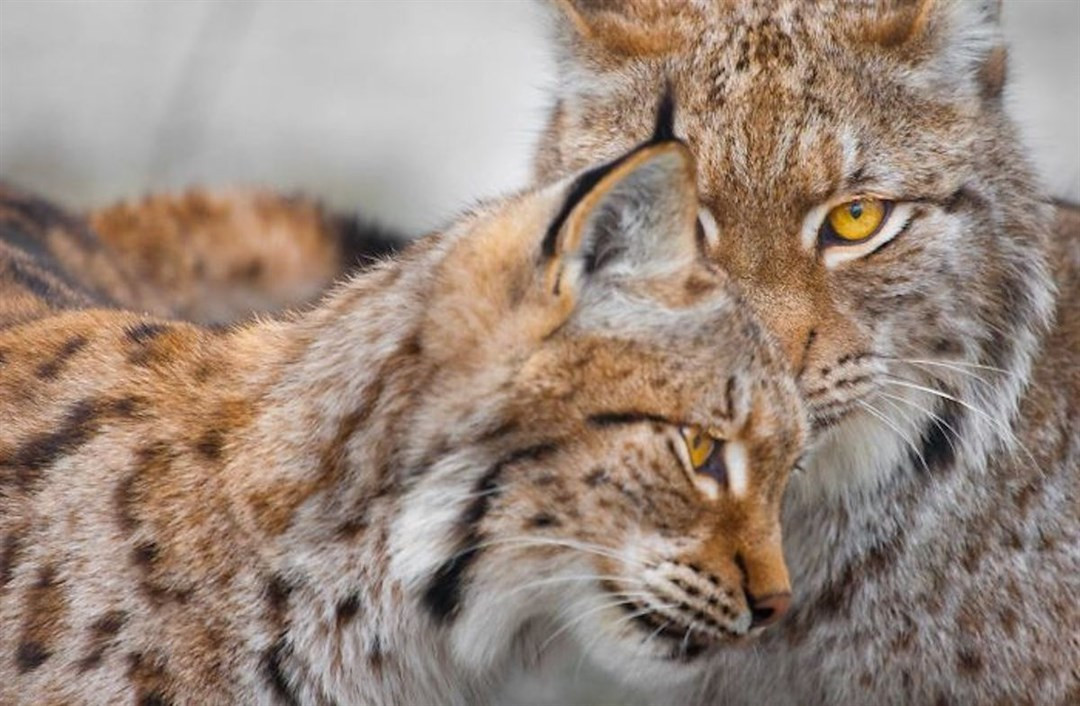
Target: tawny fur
208	257
391	497
935	537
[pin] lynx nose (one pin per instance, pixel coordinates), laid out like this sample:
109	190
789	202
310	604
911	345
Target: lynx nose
769	609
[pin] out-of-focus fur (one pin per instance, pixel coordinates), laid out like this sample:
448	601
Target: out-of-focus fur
208	257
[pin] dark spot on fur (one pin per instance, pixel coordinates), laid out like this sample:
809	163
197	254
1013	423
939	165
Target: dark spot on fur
596	477
498	431
948	346
122	498
969	661
145	554
145	331
964	199
376	655
52	367
34	282
110	623
210	444
77	427
274	671
443	594
148	675
352	527
9	557
151	461
543	519
101	632
277	594
251	271
362	242
936	443
347	609
30	655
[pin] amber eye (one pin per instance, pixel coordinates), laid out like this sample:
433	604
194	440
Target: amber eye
705	453
856	220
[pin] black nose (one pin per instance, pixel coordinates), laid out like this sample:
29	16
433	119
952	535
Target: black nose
767	610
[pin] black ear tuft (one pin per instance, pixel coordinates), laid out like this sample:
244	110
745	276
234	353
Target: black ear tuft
665	117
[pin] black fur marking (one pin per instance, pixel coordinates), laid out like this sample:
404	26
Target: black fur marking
51	367
664	131
277	592
607	419
145	554
210	444
33	281
443	594
81	423
543	519
363	242
274	672
30	655
578	191
965	199
110	623
597	476
347	609
9	557
937	441
145	331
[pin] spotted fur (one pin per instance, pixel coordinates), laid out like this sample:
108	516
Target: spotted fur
453	459
935	536
209	257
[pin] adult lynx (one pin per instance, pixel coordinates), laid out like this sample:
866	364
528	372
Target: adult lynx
862	182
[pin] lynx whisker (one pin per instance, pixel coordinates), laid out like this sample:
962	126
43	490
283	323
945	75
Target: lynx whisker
904	437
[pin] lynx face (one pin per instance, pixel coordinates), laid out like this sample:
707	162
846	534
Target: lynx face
637	426
855	183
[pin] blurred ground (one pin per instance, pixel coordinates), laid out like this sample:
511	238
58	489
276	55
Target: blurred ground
407	109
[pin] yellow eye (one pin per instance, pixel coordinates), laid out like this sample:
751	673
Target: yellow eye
858	219
699	446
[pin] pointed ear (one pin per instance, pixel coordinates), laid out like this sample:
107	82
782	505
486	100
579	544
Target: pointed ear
605	30
635	216
953	42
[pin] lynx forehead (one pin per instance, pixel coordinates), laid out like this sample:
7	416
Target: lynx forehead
522	430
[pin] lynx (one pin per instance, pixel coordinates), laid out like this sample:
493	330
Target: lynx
555	417
862	184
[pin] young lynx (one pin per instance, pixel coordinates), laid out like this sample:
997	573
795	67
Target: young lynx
863	185
554	418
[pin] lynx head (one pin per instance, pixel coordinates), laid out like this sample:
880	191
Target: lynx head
859	179
605	433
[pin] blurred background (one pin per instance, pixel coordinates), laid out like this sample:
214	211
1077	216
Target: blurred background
404	109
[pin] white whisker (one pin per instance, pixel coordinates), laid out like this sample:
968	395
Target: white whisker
936	417
975	410
885	420
572	579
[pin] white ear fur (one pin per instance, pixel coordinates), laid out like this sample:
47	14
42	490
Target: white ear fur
968	48
638	219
